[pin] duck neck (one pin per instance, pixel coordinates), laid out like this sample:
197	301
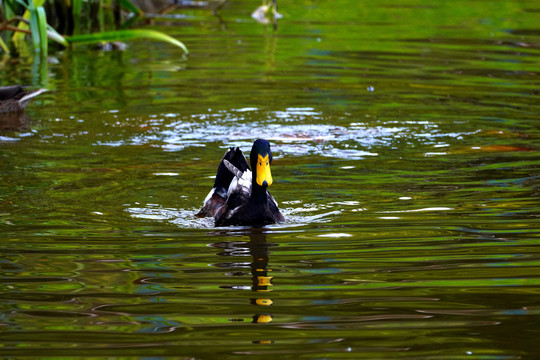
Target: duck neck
258	193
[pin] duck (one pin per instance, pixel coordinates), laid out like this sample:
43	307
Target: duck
14	98
240	195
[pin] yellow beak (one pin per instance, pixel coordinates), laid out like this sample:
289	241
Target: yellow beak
263	171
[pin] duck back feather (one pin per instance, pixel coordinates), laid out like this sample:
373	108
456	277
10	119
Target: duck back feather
217	197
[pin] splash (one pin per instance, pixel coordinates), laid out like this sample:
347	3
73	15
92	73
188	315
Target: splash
303	214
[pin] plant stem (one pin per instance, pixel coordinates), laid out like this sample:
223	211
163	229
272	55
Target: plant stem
4	27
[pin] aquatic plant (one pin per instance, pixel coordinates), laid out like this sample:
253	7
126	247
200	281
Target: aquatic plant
74	21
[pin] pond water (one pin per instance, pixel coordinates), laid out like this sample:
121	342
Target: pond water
406	162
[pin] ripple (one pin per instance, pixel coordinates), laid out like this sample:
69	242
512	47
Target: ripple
7	139
181	217
299	132
185	218
335	235
440	208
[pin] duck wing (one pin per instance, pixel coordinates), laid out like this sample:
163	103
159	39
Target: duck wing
217	197
238	196
239	190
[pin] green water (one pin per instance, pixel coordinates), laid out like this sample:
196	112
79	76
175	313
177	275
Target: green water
406	161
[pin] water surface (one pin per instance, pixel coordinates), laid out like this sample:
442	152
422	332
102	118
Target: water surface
405	138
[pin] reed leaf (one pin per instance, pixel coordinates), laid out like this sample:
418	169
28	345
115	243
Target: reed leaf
34	28
19	35
124	35
77	11
9	8
42	27
4	46
55	36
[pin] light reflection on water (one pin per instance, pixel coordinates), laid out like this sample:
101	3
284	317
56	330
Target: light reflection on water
407	168
299	132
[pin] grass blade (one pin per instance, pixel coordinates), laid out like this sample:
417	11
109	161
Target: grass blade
4	46
19	35
34	28
123	35
9	7
77	11
42	27
55	36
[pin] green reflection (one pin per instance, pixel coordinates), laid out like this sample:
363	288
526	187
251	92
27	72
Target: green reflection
406	154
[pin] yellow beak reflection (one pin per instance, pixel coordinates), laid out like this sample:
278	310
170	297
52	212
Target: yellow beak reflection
263	171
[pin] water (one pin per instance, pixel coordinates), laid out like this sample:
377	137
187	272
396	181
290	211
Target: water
405	137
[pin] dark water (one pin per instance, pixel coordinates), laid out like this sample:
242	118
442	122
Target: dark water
405	136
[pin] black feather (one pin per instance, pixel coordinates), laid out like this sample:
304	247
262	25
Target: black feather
224	176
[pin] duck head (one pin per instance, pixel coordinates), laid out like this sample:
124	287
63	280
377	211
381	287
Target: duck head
261	158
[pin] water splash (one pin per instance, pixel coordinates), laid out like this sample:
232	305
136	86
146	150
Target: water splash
181	217
303	214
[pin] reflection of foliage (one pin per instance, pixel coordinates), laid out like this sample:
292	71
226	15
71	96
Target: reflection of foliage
73	20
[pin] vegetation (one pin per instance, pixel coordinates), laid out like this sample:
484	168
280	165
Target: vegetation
267	13
70	21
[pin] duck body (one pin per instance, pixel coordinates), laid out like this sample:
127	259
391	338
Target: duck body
14	98
246	207
240	196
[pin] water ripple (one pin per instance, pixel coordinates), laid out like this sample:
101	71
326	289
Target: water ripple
299	132
184	218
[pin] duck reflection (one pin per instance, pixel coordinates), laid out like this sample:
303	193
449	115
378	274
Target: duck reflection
13	121
261	281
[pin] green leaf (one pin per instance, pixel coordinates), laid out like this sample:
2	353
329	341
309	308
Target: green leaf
9	8
34	28
55	36
22	3
4	46
19	35
123	35
77	11
42	27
